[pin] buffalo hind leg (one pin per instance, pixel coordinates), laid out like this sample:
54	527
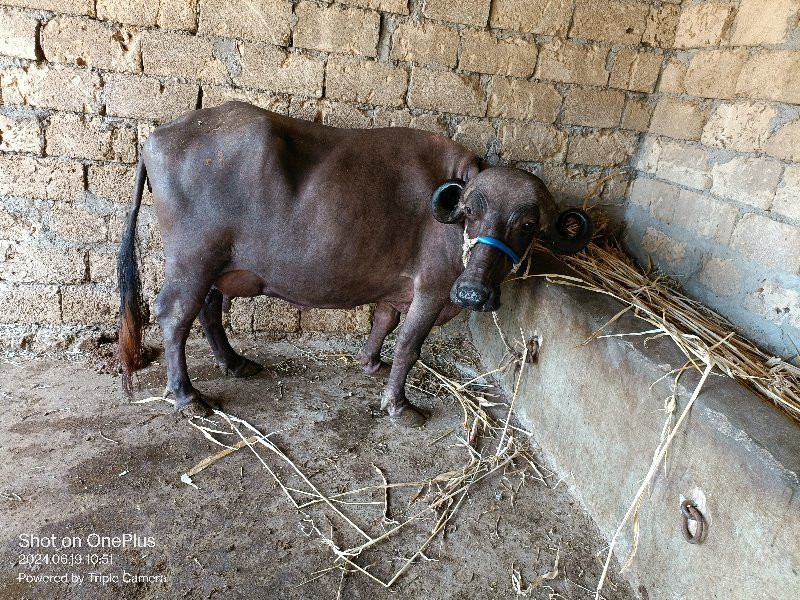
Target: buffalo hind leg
422	314
383	323
226	356
177	306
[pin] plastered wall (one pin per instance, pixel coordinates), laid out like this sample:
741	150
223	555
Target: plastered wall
569	90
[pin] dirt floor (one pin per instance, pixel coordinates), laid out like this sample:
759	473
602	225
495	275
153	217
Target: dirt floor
78	461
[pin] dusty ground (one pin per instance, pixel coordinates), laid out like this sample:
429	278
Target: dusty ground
78	460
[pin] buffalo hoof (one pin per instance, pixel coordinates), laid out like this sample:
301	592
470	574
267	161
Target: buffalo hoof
375	367
193	402
246	368
408	416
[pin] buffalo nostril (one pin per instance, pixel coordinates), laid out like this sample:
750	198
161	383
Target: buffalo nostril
470	296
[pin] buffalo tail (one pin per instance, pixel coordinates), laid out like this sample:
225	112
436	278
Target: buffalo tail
132	309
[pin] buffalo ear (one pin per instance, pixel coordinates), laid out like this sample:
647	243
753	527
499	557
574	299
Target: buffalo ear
446	201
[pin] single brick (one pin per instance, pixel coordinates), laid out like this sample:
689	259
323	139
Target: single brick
718	217
483	52
147	98
673	77
532	16
92	138
771	75
75	223
564	181
52	86
112	181
84	42
197	59
660	27
748	179
13	226
254	20
275	316
447	92
18	34
399	7
742	126
636	115
648	154
592	107
355	321
683	119
214	95
768	243
663	247
785	143
704	24
468	12
476	134
757	24
28	263
647	193
347	116
524	100
42	178
30	304
635	71
72	7
336	28
335	114
268	68
713	73
89	304
720	276
425	43
776	303
102	267
684	164
609	21
367	81
570	62
177	14
392	117
132	12
787	196
604	148
20	134
531	142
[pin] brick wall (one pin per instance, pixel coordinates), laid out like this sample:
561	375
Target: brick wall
569	90
715	199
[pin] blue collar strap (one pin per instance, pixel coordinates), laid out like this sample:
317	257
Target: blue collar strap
495	243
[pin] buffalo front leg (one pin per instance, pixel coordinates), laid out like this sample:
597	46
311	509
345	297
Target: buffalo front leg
383	323
177	306
226	356
421	316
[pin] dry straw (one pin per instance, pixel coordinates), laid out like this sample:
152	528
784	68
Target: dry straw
706	339
490	448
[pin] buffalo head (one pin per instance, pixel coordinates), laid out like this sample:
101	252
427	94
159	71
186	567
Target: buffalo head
502	210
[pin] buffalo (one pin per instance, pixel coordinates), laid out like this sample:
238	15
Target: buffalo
250	203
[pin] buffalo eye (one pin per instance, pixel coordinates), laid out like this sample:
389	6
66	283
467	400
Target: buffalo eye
527	226
468	210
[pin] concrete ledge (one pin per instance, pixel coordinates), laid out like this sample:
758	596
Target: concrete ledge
597	420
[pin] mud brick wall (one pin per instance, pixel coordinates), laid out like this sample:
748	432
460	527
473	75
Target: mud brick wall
570	90
716	195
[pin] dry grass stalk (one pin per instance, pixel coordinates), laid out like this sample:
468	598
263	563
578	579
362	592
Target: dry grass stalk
443	495
694	328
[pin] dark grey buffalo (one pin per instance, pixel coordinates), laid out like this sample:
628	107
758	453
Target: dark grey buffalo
254	203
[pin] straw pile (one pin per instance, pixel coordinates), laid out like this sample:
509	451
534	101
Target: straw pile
695	329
